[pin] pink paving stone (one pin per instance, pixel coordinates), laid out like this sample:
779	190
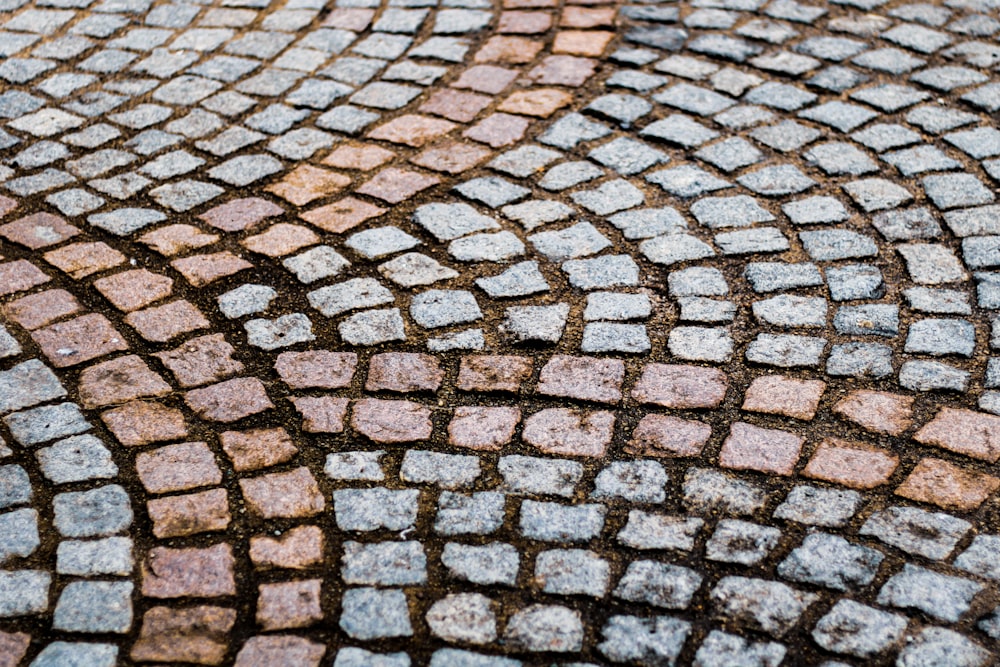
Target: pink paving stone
201	360
582	42
37	310
391	421
508	50
289	604
668	436
963	431
38	230
130	290
13	645
193	634
229	401
291	494
258	448
7	205
80	260
317	369
307	183
493	373
189	514
779	395
540	102
877	411
488	79
586	17
750	447
363	157
78	340
178	573
947	485
177	467
569	432
412	130
395	185
342	215
119	381
524	23
852	464
403	372
280	650
498	129
451	157
483	428
349	18
296	549
145	422
240	214
680	386
455	105
204	269
175	239
563	71
321	414
164	323
583	378
20	275
280	240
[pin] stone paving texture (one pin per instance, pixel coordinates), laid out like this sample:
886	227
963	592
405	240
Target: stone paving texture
499	332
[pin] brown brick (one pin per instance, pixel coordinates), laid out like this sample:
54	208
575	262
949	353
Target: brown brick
293	494
564	71
280	240
144	422
363	157
412	130
240	214
189	514
403	372
488	79
455	105
321	414
201	270
342	215
176	239
780	395
493	373
569	432
80	260
194	634
38	230
483	428
451	157
164	323
131	290
177	467
391	421
178	573
296	549
76	341
259	448
394	185
280	650
119	381
20	275
750	447
877	411
668	436
680	386
289	604
963	431
509	50
307	183
540	102
37	310
946	485
498	129
229	401
851	464
201	360
583	378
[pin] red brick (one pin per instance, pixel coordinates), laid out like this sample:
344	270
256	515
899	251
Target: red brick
403	372
176	239
349	18
680	386
291	494
963	431
750	447
131	290
452	157
20	275
564	71
524	23
588	17
144	422
394	185
509	50
540	102
259	448
280	650
189	514
229	401
851	464
667	436
201	360
483	428
498	129
307	183
289	604
342	215
321	414
486	79
493	373
194	634
779	395
240	214
13	645
80	260
78	340
582	42
363	157
163	323
201	270
391	421
583	378
946	485
280	240
877	411
296	549
38	230
455	105
412	130
569	432
37	310
177	467
178	573
119	381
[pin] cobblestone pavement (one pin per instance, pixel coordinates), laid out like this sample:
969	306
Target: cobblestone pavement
406	333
